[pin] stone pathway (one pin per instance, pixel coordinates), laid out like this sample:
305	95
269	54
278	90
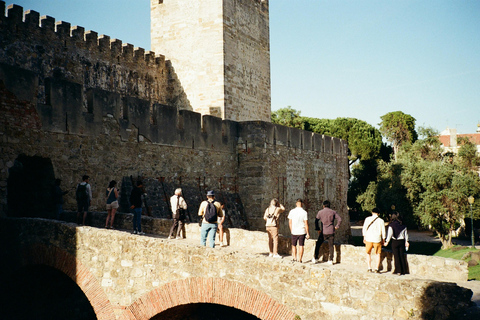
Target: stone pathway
415	236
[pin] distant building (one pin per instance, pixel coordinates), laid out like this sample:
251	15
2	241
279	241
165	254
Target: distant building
449	138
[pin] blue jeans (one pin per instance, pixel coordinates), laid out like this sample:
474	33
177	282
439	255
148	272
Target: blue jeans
209	229
137	219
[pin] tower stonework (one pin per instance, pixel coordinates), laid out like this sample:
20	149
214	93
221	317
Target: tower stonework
220	52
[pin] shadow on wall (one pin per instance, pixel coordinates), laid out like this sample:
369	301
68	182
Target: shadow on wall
30	186
442	300
50	294
159	190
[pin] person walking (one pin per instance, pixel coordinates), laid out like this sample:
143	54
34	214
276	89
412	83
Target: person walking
112	203
327	217
271	215
209	210
136	206
83	195
374	237
178	207
298	224
397	232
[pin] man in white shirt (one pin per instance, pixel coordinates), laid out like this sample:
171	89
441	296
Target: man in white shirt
177	202
374	237
298	223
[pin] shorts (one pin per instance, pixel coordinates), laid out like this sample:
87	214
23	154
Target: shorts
375	245
82	206
300	238
113	205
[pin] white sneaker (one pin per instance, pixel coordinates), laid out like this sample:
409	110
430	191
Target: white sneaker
178	238
270	254
314	261
134	232
277	256
330	262
141	233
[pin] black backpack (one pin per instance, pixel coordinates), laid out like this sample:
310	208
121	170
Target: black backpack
211	212
81	193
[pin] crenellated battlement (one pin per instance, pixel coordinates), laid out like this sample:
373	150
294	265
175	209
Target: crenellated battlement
76	78
75	37
56	50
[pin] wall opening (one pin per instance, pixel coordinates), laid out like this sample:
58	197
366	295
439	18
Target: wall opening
43	293
30	187
203	311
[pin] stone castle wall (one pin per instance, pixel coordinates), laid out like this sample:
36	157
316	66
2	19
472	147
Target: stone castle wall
247	60
221	53
72	104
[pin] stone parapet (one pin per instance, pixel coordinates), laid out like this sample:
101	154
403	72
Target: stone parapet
420	266
133	275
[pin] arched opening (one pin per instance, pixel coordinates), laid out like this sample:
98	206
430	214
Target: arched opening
43	293
30	185
203	311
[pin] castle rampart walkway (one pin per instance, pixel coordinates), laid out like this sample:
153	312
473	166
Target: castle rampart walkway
126	276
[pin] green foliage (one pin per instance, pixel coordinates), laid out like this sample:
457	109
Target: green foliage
287	117
364	141
468	153
428	188
398	128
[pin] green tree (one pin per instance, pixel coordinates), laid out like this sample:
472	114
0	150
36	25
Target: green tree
287	117
443	203
427	187
468	153
364	140
398	128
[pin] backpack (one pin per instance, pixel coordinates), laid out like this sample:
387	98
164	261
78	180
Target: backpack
211	212
81	193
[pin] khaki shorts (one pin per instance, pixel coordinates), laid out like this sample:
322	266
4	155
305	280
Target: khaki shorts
374	245
113	205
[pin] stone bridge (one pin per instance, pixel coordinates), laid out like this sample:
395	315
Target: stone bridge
113	274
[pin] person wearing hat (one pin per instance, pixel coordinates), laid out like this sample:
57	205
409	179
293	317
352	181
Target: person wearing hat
209	223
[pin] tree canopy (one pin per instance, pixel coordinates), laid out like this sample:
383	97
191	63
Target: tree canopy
287	117
364	140
426	186
398	128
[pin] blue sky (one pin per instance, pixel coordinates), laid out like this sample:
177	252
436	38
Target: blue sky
339	58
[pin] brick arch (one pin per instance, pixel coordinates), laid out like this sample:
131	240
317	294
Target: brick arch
207	290
65	262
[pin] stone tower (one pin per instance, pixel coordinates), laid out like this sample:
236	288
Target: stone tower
220	53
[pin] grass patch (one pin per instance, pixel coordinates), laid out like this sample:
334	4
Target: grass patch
457	253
